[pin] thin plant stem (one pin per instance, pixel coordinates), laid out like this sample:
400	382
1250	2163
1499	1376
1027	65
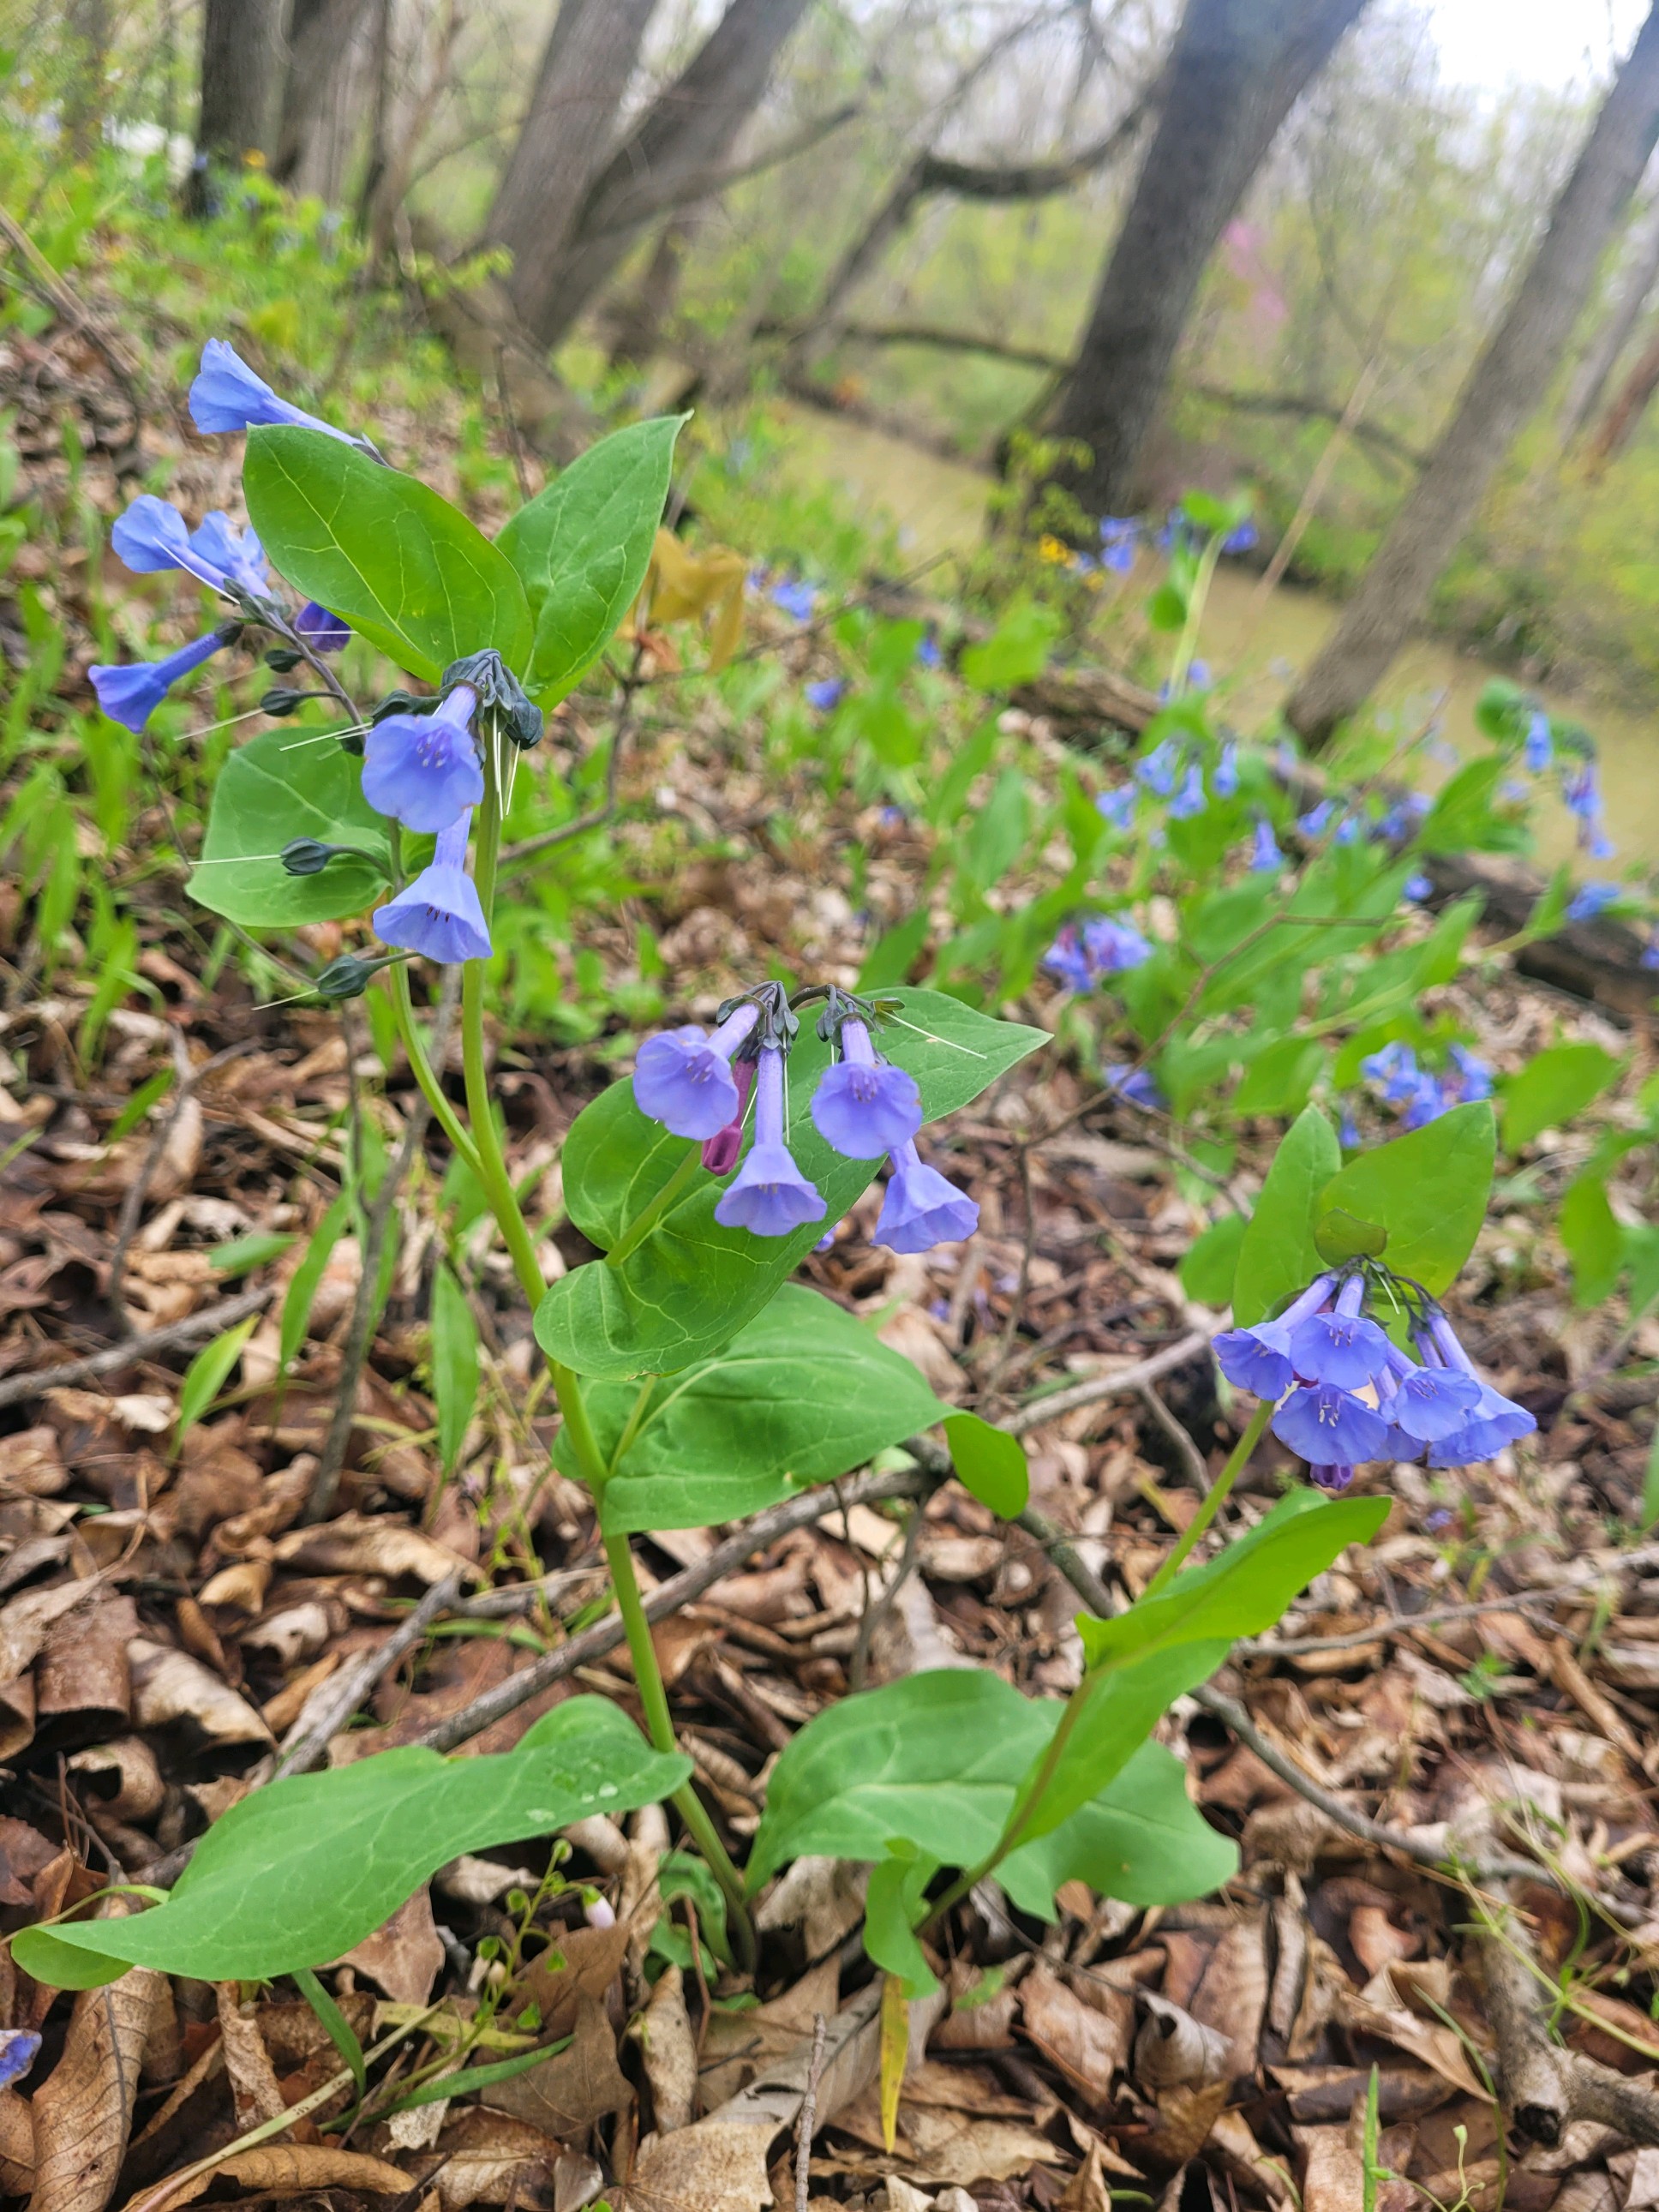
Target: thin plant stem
1255	1430
425	1075
649	1215
1195	599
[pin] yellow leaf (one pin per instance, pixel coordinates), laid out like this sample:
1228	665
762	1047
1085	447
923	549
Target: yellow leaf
895	2050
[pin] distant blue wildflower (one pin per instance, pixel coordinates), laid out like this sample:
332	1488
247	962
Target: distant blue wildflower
130	693
1347	829
1513	792
1347	1133
424	768
1189	799
1284	760
439	914
1138	1085
1537	748
1225	781
1312	822
1427	1102
1158	769
1066	959
795	598
1118	806
1243	537
1590	900
1473	1078
1113	945
769	1195
322	631
1650	951
228	396
825	693
927	651
864	1106
1265	858
1416	887
920	1208
683	1078
1199	678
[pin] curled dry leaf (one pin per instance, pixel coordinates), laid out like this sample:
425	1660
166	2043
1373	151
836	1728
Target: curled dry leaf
481	1881
404	1957
122	1777
573	2088
25	1621
488	2158
1172	2049
361	1543
586	1962
1333	2177
31	1465
670	2053
1088	2042
83	1676
170	1685
283	2170
252	2078
82	2111
241	1587
16	2144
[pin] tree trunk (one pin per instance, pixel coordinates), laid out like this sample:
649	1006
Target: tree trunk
87	27
1501	392
320	34
590	57
1235	71
636	325
674	156
1617	425
239	83
1601	355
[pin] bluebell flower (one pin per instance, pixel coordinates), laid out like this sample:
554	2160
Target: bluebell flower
1083	564
439	914
720	1151
1347	1133
825	694
1426	1404
769	1195
1312	822
1590	900
1335	1477
1066	959
864	1106
1112	946
1495	1421
1393	1066
1427	1101
150	536
1117	544
685	1079
795	598
927	651
228	396
1284	759
1538	748
1225	781
1513	791
1265	858
129	695
422	770
1118	807
1257	1358
1473	1077
1243	537
1347	829
1138	1085
19	2049
1338	1345
1330	1426
1189	799
892	818
1157	770
919	1208
235	556
1199	678
826	1242
1416	887
1600	845
322	631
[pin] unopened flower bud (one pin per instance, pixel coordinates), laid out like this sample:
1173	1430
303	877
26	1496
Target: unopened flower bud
347	977
282	658
309	856
280	699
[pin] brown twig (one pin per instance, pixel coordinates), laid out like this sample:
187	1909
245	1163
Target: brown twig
1124	1383
208	1321
186	1079
809	2112
1191	1458
337	1699
512	420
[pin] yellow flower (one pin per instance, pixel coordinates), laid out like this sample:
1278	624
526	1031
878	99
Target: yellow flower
1054	550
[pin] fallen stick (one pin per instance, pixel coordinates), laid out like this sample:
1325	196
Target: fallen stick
208	1322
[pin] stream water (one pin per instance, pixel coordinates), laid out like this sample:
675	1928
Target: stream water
938	506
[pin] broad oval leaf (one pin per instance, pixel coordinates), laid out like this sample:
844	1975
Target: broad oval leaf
989	1462
1142	1839
805	1393
582	546
691	1285
1554	1085
297	1872
278	787
1279	1256
1428	1190
383	550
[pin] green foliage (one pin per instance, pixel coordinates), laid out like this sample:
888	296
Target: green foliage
1554	1085
582	546
691	1285
1427	1189
283	784
208	1373
301	1870
454	1363
989	1462
1278	1255
383	550
1015	651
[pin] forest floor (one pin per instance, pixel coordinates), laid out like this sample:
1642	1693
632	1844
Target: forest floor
1483	1680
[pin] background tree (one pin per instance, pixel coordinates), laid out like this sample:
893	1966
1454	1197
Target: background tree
1601	356
1236	68
240	67
1505	387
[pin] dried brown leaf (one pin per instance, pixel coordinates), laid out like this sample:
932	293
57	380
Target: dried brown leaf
404	1957
1088	2044
252	2078
16	2144
1173	2050
286	2170
169	1686
83	2110
488	2158
370	1544
670	2053
122	1777
575	2087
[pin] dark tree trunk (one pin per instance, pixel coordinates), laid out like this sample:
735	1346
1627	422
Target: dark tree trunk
590	55
1501	391
1235	71
320	34
86	24
636	326
238	83
675	155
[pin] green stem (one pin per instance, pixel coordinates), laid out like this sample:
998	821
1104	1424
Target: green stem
421	1068
649	1215
1195	599
1213	1504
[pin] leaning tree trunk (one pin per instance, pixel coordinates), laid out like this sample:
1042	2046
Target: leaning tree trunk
1501	392
590	57
1235	71
1601	355
676	156
238	83
320	36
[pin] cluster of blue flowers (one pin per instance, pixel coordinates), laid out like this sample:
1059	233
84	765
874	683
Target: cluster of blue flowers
699	1084
1084	954
1345	1393
1580	783
1422	1096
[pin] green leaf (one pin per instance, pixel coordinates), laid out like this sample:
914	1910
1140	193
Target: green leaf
1340	1236
1280	1079
1594	1244
891	1903
1142	1839
280	786
1166	609
208	1373
1554	1085
1015	651
691	1285
989	1462
338	2029
995	838
894	953
803	1394
1428	1188
243	1254
1278	1256
383	550
302	1284
301	1871
582	546
454	1363
1212	1261
1651	1484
